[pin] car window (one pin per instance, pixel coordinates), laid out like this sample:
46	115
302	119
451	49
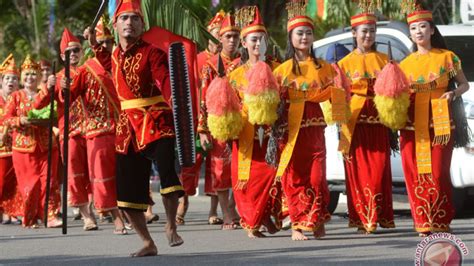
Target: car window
463	46
399	50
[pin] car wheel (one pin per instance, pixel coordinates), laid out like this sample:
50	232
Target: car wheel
334	199
459	199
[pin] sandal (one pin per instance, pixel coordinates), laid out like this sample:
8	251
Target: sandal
214	220
90	226
179	219
55	223
152	218
231	226
121	232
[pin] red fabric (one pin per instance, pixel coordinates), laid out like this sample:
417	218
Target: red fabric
94	87
162	39
202	58
190	176
430	197
261	197
304	182
124	6
220	156
78	172
369	178
10	197
76	110
31	170
6	142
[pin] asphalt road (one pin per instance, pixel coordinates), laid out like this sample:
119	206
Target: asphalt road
208	245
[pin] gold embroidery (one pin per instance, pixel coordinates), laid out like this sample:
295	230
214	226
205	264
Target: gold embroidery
432	207
130	66
370	210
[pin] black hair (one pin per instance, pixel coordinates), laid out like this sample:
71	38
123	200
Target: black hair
354	40
290	53
437	40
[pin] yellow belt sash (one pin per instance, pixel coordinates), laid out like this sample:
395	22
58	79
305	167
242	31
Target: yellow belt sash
141	102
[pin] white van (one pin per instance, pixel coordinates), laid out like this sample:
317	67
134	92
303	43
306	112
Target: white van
460	39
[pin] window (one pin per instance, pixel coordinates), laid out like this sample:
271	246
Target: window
463	46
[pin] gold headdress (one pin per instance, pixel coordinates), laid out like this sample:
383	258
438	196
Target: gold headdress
297	15
249	20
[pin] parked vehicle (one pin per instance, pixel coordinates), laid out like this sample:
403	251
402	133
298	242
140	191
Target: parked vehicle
460	39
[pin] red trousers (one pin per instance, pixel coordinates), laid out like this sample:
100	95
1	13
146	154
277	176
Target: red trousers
190	176
261	197
10	197
31	172
304	181
221	157
92	170
369	178
430	196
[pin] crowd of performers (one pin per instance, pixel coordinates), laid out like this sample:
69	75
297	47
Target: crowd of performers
260	127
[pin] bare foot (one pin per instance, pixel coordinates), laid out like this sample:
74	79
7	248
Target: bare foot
174	239
297	235
321	232
146	251
255	234
424	234
362	231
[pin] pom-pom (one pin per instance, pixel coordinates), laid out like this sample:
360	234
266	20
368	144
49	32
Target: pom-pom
261	96
391	82
225	127
393	112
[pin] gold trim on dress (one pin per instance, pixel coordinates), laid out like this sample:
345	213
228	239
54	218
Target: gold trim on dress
131	205
171	189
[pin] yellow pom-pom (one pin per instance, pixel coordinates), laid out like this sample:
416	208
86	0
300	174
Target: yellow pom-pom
262	108
393	112
225	127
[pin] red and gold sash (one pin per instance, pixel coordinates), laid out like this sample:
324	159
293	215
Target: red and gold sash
429	82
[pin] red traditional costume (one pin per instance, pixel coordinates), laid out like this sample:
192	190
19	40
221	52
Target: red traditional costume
10	197
257	192
78	169
144	130
219	156
92	86
30	156
302	166
190	175
365	142
426	142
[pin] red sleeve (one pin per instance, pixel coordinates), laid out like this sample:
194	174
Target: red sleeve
78	85
11	118
160	74
104	57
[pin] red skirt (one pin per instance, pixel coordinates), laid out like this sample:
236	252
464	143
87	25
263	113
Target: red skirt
304	182
430	196
31	171
369	178
10	197
260	199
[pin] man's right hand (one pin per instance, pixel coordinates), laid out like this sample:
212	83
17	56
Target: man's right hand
90	36
51	81
205	141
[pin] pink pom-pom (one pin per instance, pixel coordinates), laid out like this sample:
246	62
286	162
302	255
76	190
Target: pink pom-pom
260	79
391	82
341	81
221	98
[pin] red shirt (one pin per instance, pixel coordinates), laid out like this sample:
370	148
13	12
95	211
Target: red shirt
6	142
141	79
93	85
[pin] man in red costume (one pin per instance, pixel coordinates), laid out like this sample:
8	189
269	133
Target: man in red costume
190	175
220	153
144	130
92	85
